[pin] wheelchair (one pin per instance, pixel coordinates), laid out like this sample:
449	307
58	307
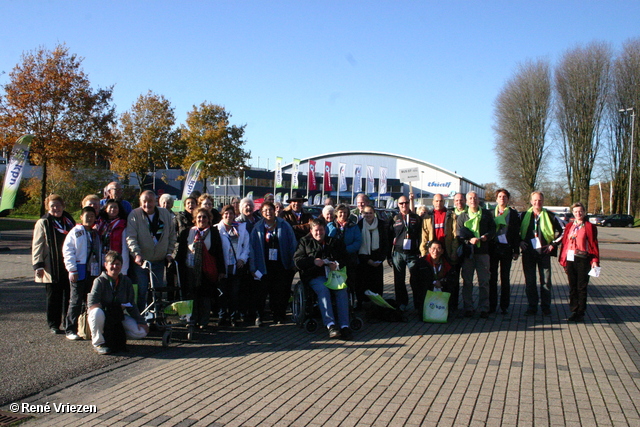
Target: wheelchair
306	314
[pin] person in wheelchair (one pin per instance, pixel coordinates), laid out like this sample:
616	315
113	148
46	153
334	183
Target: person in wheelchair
316	255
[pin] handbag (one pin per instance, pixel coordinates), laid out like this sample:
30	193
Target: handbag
84	331
436	307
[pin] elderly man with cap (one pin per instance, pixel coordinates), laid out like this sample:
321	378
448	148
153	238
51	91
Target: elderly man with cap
297	218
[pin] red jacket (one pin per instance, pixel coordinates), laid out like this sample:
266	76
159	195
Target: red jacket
592	243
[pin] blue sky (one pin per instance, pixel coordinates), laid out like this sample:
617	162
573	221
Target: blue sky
417	78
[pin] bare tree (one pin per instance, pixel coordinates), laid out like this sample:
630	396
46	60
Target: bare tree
522	112
582	85
625	94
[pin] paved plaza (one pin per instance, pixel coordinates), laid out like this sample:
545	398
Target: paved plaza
505	370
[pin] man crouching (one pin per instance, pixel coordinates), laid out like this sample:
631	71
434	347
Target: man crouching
112	293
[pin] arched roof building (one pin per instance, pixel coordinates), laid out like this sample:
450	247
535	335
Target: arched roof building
432	179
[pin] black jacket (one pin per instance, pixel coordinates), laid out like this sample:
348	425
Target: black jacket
513	235
487	227
309	249
397	231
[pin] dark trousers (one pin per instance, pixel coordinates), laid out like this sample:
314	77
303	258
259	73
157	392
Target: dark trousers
454	287
533	264
202	297
578	275
230	299
57	302
402	261
278	284
77	300
257	292
371	278
501	259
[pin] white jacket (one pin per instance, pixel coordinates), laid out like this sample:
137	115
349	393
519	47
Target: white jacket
241	252
75	248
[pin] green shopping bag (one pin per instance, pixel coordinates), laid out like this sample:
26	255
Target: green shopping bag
181	308
436	307
337	279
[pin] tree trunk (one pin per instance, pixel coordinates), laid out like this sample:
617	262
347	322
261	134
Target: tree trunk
43	188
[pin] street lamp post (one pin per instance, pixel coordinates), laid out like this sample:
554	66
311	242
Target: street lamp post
633	119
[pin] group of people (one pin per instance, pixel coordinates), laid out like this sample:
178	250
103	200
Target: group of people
236	258
470	240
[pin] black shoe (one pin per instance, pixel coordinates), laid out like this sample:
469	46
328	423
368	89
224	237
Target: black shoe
505	311
224	322
575	317
334	332
468	313
546	312
484	315
530	312
346	334
260	323
56	331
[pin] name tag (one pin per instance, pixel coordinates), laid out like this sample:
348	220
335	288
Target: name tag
273	254
571	255
406	245
535	243
95	269
502	238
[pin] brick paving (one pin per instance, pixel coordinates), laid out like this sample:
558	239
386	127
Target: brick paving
505	370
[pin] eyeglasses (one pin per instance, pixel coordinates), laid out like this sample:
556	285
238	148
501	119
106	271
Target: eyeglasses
402	203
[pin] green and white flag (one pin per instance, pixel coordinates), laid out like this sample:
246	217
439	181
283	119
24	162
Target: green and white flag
192	178
294	174
278	173
13	174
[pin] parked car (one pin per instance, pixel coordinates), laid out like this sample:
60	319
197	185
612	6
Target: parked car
595	219
618	220
564	216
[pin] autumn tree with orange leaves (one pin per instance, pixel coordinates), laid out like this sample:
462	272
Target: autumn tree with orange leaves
50	96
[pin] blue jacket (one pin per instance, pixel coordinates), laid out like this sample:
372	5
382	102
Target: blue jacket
286	241
352	237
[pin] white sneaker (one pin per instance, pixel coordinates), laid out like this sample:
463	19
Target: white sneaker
73	337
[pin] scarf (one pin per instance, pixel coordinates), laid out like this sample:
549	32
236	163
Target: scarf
473	223
501	220
56	231
544	220
111	232
441	269
458	213
370	237
202	264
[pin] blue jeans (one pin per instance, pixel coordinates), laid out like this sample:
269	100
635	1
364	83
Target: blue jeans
142	276
324	303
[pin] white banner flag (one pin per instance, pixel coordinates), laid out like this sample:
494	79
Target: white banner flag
342	177
357	178
382	180
370	181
